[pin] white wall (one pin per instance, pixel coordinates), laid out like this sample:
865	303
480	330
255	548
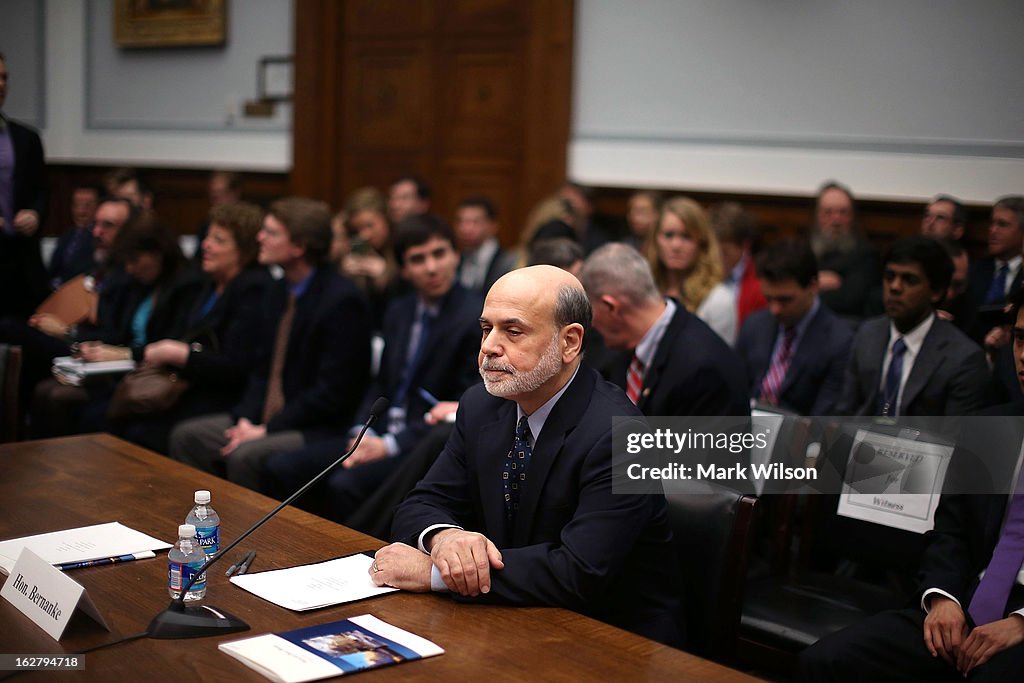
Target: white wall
897	99
173	107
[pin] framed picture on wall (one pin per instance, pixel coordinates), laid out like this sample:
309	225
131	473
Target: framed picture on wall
169	23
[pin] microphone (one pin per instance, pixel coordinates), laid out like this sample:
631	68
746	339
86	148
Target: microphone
196	621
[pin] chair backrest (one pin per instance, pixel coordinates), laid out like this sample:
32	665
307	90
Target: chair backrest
10	379
712	536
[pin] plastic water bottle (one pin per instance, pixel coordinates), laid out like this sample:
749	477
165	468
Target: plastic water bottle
183	561
207	523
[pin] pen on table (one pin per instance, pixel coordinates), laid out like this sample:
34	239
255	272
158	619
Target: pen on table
106	560
242	566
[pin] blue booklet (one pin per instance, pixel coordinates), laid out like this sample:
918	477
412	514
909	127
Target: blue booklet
327	650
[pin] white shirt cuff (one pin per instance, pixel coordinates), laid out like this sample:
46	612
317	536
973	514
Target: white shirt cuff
428	530
436	582
925	598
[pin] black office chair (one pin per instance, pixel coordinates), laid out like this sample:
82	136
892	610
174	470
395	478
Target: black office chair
10	379
711	530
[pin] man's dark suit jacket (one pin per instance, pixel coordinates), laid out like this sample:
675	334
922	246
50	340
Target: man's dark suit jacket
815	376
22	276
949	377
327	365
979	280
574	543
693	372
448	365
74	255
501	262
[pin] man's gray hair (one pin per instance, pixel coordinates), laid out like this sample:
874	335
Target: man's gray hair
572	306
619	270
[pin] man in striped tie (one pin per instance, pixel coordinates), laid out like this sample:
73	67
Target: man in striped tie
670	362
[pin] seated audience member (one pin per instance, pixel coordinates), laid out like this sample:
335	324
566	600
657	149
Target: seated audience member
736	231
910	362
796	351
407	196
553	533
684	257
216	353
431	336
127	184
153	303
945	218
223	188
992	278
642	217
73	254
482	260
370	261
313	354
969	621
848	265
551	218
955	306
44	336
559	252
670	362
593	229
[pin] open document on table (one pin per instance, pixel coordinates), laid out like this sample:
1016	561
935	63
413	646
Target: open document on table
96	542
310	586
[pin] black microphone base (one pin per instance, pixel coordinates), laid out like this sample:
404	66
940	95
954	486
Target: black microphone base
193	621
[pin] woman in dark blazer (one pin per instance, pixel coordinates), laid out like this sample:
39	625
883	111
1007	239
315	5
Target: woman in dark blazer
215	352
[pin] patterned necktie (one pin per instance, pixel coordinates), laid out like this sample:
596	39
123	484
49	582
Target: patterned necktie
776	375
997	290
513	477
634	379
989	600
274	400
887	406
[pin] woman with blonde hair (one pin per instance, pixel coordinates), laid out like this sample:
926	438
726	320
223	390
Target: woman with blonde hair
687	265
369	261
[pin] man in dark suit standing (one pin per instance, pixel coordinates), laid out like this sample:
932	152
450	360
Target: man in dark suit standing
796	351
968	623
519	508
909	362
431	337
23	203
994	277
669	362
313	354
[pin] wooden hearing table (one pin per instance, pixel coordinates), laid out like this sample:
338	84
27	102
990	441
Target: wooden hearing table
64	483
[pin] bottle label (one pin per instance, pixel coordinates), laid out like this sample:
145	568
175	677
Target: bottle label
209	539
180	573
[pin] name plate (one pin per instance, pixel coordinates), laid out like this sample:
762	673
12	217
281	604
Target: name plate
894	481
46	595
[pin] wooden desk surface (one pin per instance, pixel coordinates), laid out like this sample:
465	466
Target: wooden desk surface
64	483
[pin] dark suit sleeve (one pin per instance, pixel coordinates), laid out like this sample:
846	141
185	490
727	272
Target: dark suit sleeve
831	391
32	191
851	399
946	564
745	349
228	365
970	388
592	549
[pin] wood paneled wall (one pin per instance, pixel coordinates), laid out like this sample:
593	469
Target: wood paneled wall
472	95
181	197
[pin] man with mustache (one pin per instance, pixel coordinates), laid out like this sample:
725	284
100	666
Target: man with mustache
519	508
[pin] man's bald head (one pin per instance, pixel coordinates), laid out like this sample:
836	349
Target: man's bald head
550	289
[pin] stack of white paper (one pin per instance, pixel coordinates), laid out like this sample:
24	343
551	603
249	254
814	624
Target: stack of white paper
96	542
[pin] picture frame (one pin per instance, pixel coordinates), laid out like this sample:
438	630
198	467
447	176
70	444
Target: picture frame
169	23
275	79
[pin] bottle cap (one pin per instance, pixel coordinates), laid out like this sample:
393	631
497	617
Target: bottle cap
186	531
202	497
